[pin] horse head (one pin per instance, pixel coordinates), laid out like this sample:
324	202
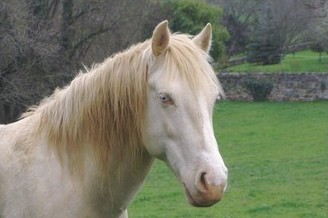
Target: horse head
182	90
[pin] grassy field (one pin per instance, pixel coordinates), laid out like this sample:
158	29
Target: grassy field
305	61
277	155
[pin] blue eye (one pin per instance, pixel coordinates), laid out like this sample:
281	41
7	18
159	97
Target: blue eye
165	98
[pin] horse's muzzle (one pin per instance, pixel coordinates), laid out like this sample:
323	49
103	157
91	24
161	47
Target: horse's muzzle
206	193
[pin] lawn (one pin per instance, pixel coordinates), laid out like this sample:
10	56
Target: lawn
277	155
300	62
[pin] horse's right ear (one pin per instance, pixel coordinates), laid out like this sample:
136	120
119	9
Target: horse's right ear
203	39
161	38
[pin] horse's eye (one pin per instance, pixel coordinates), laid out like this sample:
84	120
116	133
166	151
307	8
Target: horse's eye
165	98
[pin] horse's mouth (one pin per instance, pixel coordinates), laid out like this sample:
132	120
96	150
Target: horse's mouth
197	202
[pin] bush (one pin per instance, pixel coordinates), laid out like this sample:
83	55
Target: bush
190	16
265	47
259	89
264	53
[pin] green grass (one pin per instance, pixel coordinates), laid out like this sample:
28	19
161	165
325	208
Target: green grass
305	61
277	155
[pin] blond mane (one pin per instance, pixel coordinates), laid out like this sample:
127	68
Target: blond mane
104	109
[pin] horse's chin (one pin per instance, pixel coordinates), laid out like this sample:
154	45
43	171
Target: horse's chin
197	201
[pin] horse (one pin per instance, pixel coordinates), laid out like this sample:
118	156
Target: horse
86	150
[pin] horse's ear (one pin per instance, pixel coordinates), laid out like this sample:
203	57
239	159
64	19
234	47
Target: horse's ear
161	38
203	39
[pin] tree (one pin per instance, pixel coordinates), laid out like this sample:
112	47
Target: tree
289	18
191	16
266	45
43	43
239	17
318	31
20	51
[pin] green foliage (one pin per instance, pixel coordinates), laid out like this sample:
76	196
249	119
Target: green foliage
190	16
266	46
276	154
259	89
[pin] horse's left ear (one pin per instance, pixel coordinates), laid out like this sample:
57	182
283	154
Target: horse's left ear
161	38
203	39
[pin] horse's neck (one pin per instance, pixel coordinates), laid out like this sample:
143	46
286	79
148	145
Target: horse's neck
112	193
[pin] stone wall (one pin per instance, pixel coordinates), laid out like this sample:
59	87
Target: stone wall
286	86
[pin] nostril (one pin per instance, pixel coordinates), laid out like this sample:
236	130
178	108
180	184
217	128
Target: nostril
202	185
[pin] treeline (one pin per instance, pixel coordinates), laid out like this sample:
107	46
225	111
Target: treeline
43	43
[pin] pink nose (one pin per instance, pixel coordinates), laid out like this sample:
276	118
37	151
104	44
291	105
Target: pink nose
209	190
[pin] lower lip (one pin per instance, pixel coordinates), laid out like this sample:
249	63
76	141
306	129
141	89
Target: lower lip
190	199
195	203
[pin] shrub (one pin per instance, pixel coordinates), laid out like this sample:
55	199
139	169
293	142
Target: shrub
265	47
259	89
264	53
190	16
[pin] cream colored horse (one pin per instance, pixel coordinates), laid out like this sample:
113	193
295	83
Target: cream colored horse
86	150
